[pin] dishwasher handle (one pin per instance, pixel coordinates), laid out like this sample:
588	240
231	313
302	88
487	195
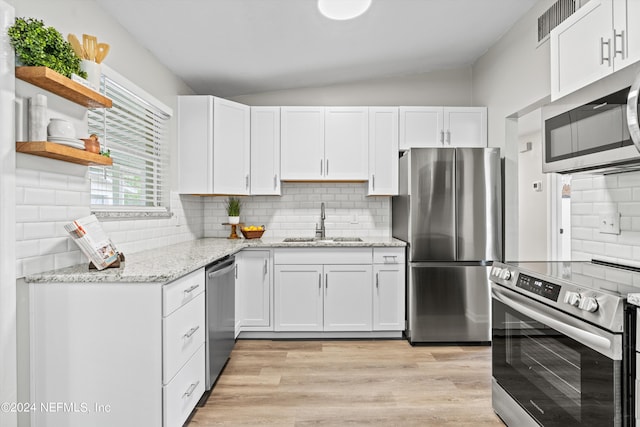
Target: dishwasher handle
221	268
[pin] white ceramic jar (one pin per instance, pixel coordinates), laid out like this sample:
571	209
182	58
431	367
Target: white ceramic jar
61	129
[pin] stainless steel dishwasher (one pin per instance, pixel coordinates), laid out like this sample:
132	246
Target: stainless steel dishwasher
220	316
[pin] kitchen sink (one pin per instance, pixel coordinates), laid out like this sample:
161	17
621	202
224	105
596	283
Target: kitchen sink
319	239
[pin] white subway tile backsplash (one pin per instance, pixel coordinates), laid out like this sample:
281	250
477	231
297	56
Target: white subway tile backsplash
592	196
54	180
53	213
39	196
38	230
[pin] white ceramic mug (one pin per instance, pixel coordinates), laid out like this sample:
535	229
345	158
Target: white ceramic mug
61	128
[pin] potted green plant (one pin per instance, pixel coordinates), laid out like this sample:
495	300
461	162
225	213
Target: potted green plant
233	210
37	46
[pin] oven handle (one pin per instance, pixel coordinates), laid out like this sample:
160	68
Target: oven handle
596	342
632	112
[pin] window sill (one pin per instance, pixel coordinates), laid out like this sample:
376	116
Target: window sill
109	214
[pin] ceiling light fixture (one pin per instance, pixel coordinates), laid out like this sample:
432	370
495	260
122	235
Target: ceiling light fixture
341	10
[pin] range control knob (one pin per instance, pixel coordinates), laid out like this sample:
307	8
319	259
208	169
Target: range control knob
505	274
589	304
572	298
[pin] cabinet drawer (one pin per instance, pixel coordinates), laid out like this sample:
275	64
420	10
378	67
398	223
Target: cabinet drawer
183	392
183	332
323	256
181	291
388	255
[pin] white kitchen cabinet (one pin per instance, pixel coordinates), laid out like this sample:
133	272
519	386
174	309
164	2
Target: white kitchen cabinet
346	143
601	37
383	151
443	127
389	292
298	298
347	298
265	150
302	143
214	146
324	144
108	344
253	285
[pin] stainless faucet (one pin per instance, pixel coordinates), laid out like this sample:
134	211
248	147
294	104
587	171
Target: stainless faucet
321	231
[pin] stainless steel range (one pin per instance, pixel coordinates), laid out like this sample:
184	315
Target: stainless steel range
563	344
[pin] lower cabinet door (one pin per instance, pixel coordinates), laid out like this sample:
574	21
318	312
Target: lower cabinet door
298	297
254	289
347	298
388	297
183	392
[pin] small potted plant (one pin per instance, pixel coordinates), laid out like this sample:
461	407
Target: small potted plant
37	45
233	210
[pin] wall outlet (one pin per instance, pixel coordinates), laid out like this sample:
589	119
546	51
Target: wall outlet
354	219
610	223
537	186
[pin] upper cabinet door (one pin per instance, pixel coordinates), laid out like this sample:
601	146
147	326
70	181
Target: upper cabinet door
346	143
302	143
626	33
265	150
582	48
195	144
421	127
465	126
231	145
383	151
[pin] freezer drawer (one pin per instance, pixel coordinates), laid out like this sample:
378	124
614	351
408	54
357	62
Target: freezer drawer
448	303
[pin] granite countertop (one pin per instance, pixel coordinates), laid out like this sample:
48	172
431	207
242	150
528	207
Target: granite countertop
168	263
634	299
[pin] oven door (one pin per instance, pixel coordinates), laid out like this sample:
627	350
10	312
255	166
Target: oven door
562	371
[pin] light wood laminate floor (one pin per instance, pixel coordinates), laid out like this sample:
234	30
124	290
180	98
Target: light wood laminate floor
351	383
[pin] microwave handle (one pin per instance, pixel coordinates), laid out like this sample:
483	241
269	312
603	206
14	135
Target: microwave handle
632	112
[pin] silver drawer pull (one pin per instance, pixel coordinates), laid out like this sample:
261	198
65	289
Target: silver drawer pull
191	389
191	289
392	258
191	331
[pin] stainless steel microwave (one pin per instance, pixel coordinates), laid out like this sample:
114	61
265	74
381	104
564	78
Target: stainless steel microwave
600	136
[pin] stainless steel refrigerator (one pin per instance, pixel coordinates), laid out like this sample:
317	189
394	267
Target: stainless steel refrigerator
449	211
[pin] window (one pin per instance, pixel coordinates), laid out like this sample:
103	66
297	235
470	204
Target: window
134	131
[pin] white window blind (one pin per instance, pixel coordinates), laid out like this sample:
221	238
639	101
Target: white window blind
134	130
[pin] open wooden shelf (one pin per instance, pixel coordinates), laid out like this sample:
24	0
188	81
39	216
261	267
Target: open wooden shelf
54	82
63	152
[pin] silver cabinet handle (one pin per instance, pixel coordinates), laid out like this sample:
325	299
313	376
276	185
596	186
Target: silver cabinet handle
191	331
319	281
246	182
265	267
191	389
327	170
449	137
373	182
390	257
326	283
442	136
321	164
602	58
632	112
191	289
275	181
617	51
377	280
236	271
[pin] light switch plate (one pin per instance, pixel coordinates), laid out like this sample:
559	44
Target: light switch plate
610	223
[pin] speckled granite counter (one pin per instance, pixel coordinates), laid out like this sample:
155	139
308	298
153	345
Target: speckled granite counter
171	262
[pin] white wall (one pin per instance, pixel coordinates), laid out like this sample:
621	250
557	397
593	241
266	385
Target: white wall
8	345
533	206
349	213
448	87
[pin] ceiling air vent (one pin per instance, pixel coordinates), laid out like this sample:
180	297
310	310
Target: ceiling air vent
558	12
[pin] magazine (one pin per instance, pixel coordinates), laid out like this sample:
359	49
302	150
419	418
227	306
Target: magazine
93	241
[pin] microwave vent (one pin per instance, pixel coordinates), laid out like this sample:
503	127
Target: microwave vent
552	17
